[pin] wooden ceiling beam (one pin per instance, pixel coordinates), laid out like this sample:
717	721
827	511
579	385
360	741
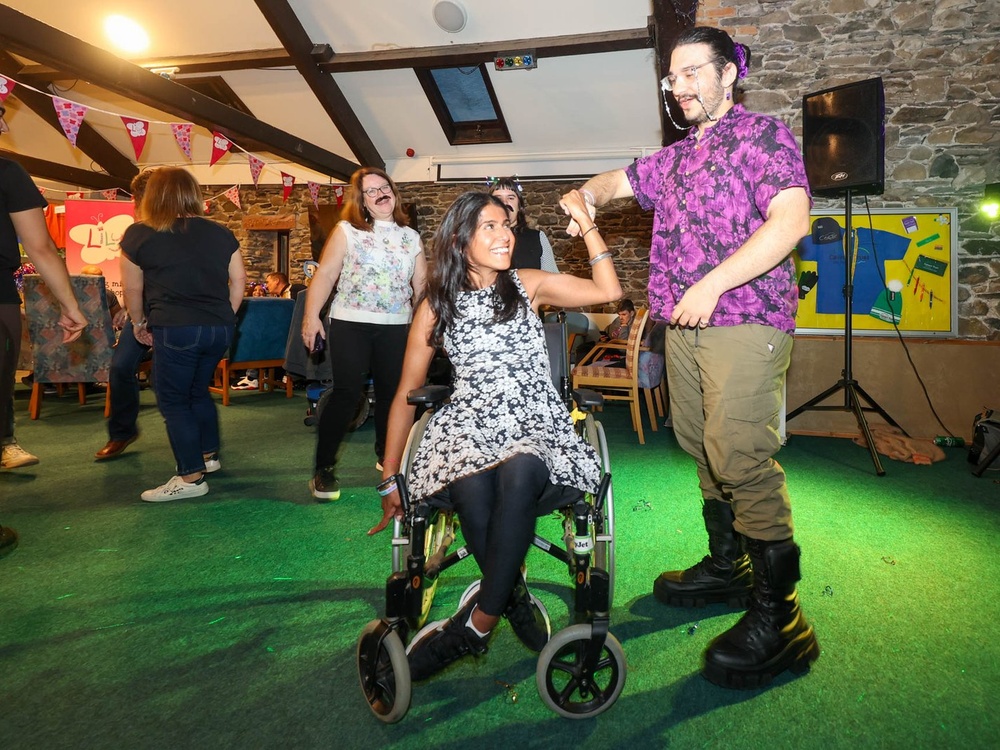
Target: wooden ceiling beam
454	55
420	57
50	170
88	140
295	39
44	44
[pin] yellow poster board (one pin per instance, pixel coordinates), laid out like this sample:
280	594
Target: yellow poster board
904	273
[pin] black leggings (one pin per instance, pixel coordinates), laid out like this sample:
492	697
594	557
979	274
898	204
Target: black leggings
497	509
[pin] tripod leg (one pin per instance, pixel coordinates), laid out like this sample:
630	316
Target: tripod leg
878	409
863	425
813	401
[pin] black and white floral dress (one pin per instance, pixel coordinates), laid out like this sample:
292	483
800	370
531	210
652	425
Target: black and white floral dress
503	404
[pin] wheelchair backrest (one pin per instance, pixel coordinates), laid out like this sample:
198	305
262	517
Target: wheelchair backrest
556	341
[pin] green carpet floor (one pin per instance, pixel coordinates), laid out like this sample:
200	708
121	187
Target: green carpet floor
230	621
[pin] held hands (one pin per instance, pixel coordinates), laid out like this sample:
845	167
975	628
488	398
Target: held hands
581	212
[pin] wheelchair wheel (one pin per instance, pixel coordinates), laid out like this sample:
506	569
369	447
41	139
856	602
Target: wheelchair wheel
567	686
384	672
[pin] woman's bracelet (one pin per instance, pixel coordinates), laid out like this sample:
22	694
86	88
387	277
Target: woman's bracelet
598	258
592	228
588	196
387	486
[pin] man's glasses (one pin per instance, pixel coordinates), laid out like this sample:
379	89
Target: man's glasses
687	75
373	191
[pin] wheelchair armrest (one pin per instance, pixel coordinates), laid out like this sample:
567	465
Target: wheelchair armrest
429	395
587	399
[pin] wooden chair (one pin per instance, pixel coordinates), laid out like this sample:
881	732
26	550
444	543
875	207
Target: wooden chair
262	325
618	383
86	360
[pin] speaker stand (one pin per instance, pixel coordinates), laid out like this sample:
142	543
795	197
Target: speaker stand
853	393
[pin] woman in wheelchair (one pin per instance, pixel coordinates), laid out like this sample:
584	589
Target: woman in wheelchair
504	444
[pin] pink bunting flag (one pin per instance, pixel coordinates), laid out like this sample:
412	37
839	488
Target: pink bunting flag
314	192
182	134
287	183
256	166
70	116
6	86
110	195
137	131
208	207
220	147
233	194
338	192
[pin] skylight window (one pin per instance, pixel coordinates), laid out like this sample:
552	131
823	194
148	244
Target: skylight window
465	104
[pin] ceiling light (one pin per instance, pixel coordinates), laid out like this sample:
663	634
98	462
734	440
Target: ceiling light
126	34
450	16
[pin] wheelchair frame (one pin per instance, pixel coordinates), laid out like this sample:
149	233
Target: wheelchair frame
581	671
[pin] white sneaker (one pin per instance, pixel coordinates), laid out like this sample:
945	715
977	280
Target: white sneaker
175	489
212	463
14	457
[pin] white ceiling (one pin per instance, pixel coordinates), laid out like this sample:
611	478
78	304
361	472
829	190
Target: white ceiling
571	115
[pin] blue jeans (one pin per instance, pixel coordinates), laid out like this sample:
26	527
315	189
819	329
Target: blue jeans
124	385
184	360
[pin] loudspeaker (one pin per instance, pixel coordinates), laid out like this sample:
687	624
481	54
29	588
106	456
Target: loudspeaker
843	139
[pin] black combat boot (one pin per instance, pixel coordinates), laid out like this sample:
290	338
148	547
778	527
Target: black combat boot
724	575
773	635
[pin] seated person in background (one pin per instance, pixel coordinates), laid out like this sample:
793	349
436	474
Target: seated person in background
118	315
278	286
617	330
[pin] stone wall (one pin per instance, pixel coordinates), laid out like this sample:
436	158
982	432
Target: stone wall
940	62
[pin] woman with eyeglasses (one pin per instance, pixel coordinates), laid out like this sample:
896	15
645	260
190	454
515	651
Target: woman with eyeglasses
376	263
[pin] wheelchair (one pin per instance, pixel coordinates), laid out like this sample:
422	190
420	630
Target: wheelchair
581	671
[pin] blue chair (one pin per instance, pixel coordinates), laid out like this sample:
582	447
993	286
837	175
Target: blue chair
262	325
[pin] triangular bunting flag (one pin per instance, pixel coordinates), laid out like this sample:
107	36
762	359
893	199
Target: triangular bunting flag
110	195
137	131
70	116
314	192
220	147
233	194
182	134
6	86
287	183
74	195
338	192
256	166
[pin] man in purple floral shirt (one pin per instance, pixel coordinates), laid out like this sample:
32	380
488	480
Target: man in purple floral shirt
731	201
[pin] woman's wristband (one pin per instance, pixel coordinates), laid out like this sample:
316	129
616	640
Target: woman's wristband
598	258
588	197
387	486
592	228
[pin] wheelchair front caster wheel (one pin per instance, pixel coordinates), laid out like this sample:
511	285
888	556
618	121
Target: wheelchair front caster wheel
567	685
384	672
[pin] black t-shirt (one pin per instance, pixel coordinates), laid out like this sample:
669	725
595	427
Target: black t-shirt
185	271
17	193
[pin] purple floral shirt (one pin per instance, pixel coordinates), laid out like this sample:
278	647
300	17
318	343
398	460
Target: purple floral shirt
709	197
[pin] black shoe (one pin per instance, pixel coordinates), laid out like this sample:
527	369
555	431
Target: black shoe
8	540
773	635
527	619
711	581
324	485
439	644
722	576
